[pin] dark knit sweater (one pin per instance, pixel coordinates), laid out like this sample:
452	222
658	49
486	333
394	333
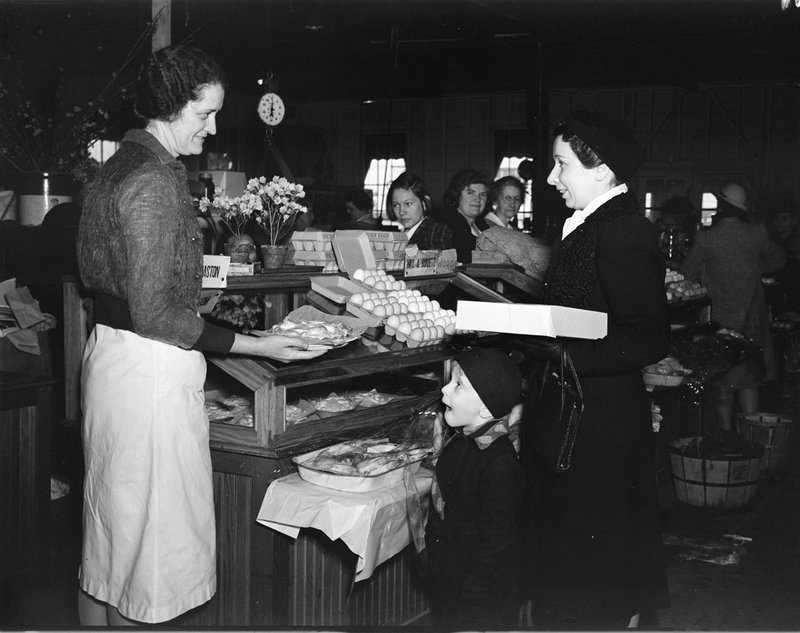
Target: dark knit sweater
140	247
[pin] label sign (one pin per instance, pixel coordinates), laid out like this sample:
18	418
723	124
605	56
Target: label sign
215	271
432	262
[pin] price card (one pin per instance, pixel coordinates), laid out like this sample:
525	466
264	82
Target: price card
215	271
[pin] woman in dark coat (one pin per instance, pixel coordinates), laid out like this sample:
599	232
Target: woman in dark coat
465	200
594	532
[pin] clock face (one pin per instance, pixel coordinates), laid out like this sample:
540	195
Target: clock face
271	109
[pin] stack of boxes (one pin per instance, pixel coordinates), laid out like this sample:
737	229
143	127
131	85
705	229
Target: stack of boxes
315	248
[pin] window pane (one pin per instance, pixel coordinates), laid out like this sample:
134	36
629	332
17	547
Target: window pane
508	167
380	174
709	208
101	150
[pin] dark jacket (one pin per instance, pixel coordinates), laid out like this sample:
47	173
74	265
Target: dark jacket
474	550
595	530
432	235
140	247
463	239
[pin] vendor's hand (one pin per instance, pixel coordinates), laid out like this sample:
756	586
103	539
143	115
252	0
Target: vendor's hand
275	346
542	347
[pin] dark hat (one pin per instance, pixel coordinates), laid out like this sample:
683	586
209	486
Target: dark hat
494	376
613	141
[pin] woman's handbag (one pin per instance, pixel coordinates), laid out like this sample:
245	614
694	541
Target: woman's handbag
556	416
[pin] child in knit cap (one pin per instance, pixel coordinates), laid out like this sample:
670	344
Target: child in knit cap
472	536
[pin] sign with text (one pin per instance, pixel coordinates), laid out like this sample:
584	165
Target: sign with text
215	271
431	262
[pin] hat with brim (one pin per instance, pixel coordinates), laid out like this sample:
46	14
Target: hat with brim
734	195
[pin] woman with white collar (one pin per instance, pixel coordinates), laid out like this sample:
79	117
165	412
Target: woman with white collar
596	539
509	196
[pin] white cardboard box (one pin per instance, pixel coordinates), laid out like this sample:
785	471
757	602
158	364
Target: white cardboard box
534	319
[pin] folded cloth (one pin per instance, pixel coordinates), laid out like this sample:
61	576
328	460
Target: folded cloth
25	341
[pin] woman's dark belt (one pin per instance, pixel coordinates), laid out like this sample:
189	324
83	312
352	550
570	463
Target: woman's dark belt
112	312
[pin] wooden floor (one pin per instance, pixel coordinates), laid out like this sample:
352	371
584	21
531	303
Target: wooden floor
760	593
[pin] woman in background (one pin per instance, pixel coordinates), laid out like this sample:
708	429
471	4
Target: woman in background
408	203
149	541
729	259
509	194
465	202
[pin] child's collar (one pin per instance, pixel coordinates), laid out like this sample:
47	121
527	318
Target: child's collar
485	435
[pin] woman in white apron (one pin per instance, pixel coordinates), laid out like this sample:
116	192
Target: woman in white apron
148	522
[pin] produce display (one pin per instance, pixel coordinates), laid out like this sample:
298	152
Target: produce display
335	403
363	458
234	410
318	332
668	372
407	315
679	288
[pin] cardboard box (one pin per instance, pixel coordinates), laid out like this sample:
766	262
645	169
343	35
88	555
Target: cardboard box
534	319
353	251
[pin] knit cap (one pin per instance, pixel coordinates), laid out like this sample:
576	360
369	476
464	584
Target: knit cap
495	376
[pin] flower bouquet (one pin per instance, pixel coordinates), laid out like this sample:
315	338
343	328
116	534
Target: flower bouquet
237	214
278	207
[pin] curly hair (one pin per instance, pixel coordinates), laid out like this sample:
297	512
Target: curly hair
585	154
459	181
171	78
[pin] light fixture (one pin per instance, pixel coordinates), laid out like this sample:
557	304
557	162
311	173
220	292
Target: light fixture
785	4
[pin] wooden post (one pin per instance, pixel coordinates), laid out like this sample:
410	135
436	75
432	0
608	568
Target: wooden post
162	13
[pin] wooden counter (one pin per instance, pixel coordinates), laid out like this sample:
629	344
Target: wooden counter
25	418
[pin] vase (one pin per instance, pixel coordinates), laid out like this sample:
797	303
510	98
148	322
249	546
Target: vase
274	256
40	191
240	253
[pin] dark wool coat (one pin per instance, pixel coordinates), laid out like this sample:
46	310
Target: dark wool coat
432	235
594	531
463	239
474	551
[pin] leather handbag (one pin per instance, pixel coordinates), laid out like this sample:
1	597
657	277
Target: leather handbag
557	413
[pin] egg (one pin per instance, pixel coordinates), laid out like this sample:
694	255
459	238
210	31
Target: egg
435	304
357	298
379	311
417	334
380	285
370	281
450	328
405	328
358	274
440	331
393	321
368	305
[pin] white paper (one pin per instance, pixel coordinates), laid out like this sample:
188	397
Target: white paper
373	525
7	286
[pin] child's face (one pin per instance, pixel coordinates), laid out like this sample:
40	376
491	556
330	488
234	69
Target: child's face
463	405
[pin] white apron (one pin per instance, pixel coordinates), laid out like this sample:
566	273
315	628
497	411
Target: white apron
148	519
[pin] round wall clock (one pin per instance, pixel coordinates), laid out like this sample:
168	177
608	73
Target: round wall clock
271	109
